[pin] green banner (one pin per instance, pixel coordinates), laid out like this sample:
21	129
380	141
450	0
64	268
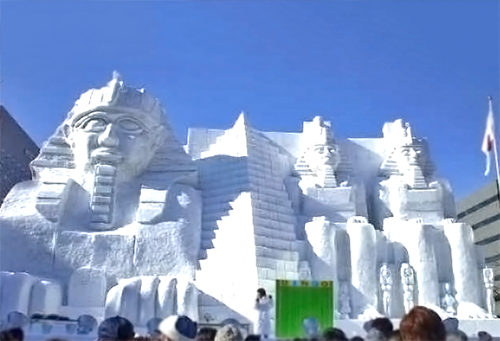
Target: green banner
303	308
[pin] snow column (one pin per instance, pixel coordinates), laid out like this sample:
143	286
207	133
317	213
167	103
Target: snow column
418	242
363	263
464	262
321	237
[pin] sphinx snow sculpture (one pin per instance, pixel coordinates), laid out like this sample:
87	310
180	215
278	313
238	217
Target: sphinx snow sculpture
113	190
418	214
133	224
332	206
309	206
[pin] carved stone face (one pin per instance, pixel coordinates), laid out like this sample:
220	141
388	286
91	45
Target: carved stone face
322	155
410	156
121	139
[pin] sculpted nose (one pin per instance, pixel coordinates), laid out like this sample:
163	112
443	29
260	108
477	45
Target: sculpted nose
108	137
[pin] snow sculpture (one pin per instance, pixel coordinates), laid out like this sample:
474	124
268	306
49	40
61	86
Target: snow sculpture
133	223
344	301
113	191
488	277
87	288
386	288
408	281
449	303
417	212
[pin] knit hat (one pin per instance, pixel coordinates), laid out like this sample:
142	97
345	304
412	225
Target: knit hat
178	328
116	329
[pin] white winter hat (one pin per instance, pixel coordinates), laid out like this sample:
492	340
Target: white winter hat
178	328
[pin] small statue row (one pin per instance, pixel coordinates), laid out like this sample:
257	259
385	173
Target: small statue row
448	301
407	282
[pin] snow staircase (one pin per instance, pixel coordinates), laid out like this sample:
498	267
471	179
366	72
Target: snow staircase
248	224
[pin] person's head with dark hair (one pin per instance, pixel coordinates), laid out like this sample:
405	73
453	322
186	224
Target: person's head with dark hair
356	338
394	336
115	329
456	336
375	335
13	334
384	325
484	336
252	337
206	334
422	324
261	292
334	334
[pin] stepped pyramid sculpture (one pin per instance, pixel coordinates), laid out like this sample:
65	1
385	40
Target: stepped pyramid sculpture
121	219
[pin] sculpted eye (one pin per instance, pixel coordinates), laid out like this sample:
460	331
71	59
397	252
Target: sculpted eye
319	150
130	126
94	124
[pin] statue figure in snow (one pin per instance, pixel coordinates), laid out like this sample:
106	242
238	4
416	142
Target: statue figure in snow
408	282
488	277
449	303
386	288
113	189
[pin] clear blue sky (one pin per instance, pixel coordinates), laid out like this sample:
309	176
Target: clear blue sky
357	63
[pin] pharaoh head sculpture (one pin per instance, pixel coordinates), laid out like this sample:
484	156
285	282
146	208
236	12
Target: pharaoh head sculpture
113	141
320	154
407	156
115	125
322	150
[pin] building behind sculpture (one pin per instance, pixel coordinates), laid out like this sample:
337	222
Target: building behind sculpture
17	150
481	210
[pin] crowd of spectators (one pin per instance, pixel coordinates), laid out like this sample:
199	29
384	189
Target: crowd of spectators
420	324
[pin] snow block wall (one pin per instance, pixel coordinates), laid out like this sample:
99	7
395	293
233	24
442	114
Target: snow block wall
248	229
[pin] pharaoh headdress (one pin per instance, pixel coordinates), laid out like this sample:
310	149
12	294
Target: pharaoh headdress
54	165
56	159
317	133
398	135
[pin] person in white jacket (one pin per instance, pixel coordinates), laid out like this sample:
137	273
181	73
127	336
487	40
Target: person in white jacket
263	304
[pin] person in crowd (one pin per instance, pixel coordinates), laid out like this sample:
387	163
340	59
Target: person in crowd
252	337
334	334
394	336
452	331
13	334
206	334
375	335
178	328
229	333
484	336
457	335
263	304
382	324
422	324
115	329
356	338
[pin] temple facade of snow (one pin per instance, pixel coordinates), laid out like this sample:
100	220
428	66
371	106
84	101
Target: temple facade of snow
122	219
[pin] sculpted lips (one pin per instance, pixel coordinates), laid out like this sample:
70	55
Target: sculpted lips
107	155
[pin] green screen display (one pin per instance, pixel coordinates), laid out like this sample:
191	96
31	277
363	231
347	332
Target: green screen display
298	303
